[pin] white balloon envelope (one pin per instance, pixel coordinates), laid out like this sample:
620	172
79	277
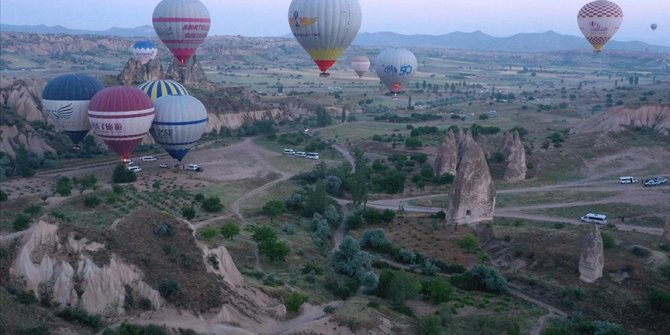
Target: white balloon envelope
395	68
179	123
599	21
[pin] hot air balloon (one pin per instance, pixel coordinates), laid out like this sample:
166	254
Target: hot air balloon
360	64
65	100
144	51
599	21
158	88
395	68
653	26
182	25
121	116
179	123
324	28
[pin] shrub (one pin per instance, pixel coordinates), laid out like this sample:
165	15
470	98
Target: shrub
188	213
341	287
122	175
274	208
666	272
293	301
3	196
375	239
127	329
208	233
63	186
640	251
33	209
264	233
659	300
21	222
468	243
275	250
168	288
329	309
354	219
432	325
437	290
482	278
333	185
230	230
212	204
199	197
92	201
80	316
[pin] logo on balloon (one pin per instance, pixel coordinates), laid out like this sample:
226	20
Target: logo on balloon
64	112
405	70
597	28
300	22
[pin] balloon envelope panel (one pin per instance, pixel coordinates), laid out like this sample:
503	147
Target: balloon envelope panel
325	28
144	51
65	101
179	123
182	25
158	88
121	116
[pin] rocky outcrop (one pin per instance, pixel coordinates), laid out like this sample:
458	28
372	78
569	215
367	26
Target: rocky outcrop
592	259
55	44
189	74
472	196
653	117
447	155
515	156
24	96
135	72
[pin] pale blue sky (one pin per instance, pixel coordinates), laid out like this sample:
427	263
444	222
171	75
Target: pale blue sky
268	17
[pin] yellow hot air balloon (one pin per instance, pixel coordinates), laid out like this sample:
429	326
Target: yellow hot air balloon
324	28
599	21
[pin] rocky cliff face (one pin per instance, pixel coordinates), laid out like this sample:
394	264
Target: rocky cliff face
654	117
135	72
56	45
592	259
23	96
447	155
190	74
472	196
515	156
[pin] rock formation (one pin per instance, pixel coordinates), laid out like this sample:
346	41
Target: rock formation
654	117
472	196
515	156
447	159
592	260
135	72
189	74
23	96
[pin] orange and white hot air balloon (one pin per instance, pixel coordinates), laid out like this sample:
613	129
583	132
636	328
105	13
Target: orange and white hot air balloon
599	21
324	28
361	65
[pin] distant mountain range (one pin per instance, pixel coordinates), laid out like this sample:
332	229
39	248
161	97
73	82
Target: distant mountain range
525	42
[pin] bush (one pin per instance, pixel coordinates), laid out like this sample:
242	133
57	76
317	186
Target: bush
3	196
212	205
92	201
659	300
264	233
33	209
333	185
127	329
169	288
375	239
482	278
208	233
640	251
63	186
437	290
341	287
122	175
354	219
21	222
230	230
468	243
432	325
275	250
293	301
80	316
188	213
274	208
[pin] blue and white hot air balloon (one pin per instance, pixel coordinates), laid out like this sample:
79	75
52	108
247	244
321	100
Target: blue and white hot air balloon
158	88
144	51
179	123
65	102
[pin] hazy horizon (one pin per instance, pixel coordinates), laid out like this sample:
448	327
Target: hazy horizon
493	17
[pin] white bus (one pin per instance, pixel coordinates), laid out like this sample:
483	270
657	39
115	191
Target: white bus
595	218
312	155
627	180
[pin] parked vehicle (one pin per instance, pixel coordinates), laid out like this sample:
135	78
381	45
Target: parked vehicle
595	218
627	180
148	159
300	154
312	155
163	165
655	181
134	168
290	152
194	167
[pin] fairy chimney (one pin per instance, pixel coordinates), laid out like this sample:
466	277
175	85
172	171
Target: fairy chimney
446	159
472	196
515	156
592	260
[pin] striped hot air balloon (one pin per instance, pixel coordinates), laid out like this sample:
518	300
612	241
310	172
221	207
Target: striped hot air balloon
179	123
324	28
182	25
599	21
158	88
361	65
121	116
144	51
65	102
395	68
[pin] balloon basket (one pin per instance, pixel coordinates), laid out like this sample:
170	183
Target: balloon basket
324	74
76	147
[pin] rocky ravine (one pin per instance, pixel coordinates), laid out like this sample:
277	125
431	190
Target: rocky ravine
655	117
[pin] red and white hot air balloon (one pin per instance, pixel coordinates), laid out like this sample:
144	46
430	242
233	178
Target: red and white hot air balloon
121	116
361	65
182	25
599	21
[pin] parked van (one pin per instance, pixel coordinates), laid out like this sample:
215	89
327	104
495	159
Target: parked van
627	180
193	167
149	159
300	154
595	218
312	155
289	152
134	168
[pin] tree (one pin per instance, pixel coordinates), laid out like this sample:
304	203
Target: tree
437	290
333	185
402	287
359	182
317	199
274	208
275	250
323	118
264	233
122	175
294	301
413	143
63	186
208	233
353	262
188	212
212	204
24	166
230	230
